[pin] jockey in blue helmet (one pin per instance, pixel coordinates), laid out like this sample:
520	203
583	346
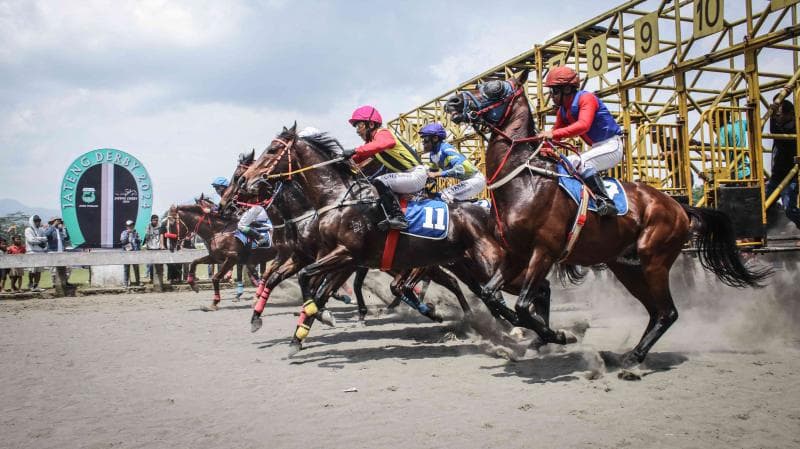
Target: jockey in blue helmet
450	163
220	184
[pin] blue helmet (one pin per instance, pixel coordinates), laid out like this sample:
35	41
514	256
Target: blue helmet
220	181
433	129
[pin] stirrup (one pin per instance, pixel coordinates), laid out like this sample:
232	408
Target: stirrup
606	208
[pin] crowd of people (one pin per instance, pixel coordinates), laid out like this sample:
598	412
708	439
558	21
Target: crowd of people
38	238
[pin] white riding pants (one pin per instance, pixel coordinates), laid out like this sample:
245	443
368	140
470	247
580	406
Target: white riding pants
602	156
465	190
409	181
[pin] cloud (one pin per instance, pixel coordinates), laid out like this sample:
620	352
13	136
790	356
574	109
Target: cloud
185	86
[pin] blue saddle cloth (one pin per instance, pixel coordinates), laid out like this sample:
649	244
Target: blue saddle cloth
429	219
573	188
243	238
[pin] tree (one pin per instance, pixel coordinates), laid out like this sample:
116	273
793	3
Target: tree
13	224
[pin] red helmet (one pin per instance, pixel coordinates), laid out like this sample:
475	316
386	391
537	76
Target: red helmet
366	114
562	76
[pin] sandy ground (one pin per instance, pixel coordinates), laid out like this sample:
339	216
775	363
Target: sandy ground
153	370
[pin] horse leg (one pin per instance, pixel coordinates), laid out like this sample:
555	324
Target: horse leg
411	280
649	283
492	296
190	279
400	288
322	266
358	283
436	274
538	266
274	275
224	268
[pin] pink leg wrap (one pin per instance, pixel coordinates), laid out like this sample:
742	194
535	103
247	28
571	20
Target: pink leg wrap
190	279
260	288
302	318
216	297
263	296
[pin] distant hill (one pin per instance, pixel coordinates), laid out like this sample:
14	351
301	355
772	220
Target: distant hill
8	206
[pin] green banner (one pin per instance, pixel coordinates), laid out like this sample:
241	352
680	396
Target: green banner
101	190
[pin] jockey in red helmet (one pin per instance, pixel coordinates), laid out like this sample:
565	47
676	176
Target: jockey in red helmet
582	114
406	172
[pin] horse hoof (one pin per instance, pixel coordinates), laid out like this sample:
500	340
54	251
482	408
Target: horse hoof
194	287
326	318
255	324
566	337
629	360
294	348
627	374
211	308
345	299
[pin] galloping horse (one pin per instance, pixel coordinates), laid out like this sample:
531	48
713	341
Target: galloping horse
348	235
298	246
223	246
533	217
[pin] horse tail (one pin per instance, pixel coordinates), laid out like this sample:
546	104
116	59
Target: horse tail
715	242
570	274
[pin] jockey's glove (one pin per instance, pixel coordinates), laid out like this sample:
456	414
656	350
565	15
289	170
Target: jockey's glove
347	153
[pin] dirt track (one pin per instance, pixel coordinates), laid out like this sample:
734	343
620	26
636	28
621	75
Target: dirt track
154	371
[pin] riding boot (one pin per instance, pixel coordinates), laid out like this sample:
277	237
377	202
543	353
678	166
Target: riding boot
605	207
395	218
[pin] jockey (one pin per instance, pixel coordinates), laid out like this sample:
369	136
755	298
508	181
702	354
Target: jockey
452	164
582	113
253	220
406	172
220	184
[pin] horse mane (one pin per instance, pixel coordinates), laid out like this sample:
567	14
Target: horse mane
325	142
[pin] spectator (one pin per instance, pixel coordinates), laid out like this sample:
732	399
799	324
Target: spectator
130	241
169	241
57	241
152	241
35	242
783	153
16	273
3	271
732	136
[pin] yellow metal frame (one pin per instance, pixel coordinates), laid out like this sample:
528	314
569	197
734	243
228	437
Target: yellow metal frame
672	88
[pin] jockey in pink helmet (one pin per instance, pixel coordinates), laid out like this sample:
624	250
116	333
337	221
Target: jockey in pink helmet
582	114
406	174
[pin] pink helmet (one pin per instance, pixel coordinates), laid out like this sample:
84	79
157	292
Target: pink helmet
366	114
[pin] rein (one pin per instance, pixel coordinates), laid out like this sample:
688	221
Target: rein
288	174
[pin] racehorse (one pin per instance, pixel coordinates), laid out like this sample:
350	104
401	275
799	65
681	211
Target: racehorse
298	245
348	235
222	244
533	217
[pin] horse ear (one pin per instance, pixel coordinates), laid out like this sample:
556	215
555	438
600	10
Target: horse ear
294	128
202	196
522	77
252	156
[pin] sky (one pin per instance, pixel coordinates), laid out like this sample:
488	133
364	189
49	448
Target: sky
185	86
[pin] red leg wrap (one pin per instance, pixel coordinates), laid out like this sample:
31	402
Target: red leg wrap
190	279
216	297
302	318
260	288
263	296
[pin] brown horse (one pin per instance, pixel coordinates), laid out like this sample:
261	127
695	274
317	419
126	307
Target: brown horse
298	245
223	246
348	235
533	217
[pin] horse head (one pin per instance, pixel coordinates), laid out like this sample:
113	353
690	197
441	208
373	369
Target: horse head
234	193
490	103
